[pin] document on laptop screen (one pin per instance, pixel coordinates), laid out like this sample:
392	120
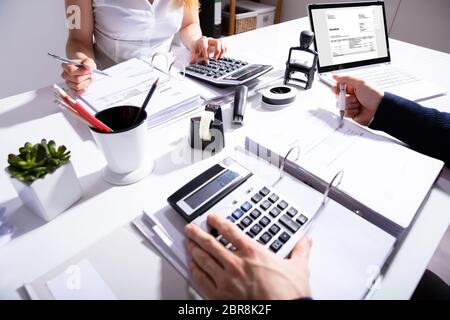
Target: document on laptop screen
349	34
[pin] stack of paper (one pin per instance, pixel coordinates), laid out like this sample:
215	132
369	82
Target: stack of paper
129	84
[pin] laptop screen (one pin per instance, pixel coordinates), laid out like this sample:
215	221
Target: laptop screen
349	35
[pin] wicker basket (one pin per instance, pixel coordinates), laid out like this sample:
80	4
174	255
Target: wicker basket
245	24
245	20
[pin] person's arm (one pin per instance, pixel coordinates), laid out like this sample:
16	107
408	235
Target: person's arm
191	35
80	46
252	271
423	129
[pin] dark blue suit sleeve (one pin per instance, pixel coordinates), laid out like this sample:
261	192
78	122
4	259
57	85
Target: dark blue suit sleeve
423	129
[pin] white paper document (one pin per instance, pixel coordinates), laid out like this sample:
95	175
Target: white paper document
382	174
80	282
130	83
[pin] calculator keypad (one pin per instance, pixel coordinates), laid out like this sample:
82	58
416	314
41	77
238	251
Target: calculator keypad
217	68
267	218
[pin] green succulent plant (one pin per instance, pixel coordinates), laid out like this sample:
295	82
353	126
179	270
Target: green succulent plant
35	161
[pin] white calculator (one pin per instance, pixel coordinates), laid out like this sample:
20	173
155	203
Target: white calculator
234	192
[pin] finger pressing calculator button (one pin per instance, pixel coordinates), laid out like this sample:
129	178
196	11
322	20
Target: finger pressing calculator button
292	212
224	241
214	233
237	213
265	205
276	245
273	198
302	219
230	218
246	206
264	191
284	237
289	223
255	213
255	229
274	212
246	221
274	229
264	221
257	198
265	238
282	205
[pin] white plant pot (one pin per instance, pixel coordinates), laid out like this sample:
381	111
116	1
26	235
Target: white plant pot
51	195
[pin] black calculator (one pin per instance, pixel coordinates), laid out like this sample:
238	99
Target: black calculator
226	71
261	212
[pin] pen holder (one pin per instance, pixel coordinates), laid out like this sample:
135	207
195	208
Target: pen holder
206	131
125	149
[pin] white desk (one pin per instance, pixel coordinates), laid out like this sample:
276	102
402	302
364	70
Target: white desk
41	247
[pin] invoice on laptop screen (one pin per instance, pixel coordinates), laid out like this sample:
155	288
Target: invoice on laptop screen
348	33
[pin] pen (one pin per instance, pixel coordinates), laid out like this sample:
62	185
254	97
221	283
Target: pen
342	95
146	101
75	63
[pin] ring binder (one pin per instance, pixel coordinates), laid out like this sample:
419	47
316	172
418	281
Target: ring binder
283	162
337	177
174	70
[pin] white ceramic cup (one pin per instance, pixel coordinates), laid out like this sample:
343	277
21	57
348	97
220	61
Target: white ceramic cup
125	149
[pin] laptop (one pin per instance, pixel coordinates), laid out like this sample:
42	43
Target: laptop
352	39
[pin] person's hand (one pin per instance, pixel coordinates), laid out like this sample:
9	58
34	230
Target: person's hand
361	102
205	47
251	271
79	79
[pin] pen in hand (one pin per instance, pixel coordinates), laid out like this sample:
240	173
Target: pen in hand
342	95
75	63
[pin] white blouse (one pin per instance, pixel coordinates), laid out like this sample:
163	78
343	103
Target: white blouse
125	29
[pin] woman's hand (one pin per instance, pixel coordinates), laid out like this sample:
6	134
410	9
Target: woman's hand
79	79
205	47
252	271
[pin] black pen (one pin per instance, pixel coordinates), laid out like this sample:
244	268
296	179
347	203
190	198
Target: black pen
146	101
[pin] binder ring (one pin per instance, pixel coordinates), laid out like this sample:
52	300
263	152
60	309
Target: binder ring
167	69
161	54
339	176
283	162
182	70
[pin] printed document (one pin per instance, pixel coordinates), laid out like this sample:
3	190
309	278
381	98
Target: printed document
129	84
382	174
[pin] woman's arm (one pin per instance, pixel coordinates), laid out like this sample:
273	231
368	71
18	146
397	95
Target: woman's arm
80	46
191	35
80	43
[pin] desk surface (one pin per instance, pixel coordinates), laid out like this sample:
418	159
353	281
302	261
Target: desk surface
41	247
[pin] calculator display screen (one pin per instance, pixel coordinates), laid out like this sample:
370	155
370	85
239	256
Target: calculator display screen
211	188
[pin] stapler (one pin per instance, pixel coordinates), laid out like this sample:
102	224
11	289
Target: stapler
240	102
